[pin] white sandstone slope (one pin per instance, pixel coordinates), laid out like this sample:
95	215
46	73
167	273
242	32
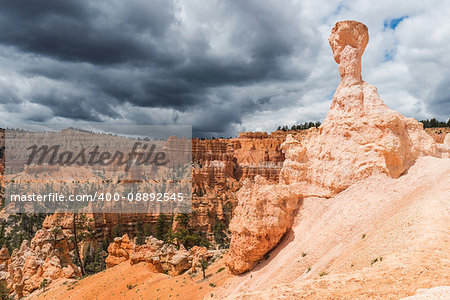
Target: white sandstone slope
405	221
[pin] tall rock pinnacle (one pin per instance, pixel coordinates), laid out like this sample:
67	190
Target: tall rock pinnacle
348	40
361	137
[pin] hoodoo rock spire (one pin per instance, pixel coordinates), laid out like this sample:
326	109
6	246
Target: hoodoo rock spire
361	137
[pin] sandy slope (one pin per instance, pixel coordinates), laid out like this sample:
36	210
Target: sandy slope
439	292
405	221
125	281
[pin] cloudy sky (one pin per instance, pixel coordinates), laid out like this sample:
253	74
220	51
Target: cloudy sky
222	66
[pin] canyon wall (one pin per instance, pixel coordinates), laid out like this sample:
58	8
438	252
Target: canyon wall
221	165
218	170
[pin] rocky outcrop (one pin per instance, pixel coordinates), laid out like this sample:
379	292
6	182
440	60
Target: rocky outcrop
163	258
4	255
45	257
445	146
359	138
119	251
263	216
4	260
438	134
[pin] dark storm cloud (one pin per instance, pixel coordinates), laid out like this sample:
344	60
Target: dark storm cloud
216	123
439	103
81	31
101	55
75	107
7	96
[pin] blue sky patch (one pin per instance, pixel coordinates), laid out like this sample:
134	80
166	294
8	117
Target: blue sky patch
393	23
388	56
340	8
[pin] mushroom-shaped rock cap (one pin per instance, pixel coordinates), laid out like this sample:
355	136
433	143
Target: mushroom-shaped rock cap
351	33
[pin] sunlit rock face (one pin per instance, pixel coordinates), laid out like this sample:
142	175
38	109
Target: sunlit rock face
360	137
160	257
45	257
263	215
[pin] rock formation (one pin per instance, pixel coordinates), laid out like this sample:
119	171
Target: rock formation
119	251
4	259
4	255
163	258
263	215
45	257
220	168
359	138
438	133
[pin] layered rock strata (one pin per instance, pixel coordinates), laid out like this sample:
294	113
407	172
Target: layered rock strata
221	166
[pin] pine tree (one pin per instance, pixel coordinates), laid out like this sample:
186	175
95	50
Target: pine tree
220	236
147	230
20	227
95	260
81	232
44	284
139	231
105	243
161	227
204	266
183	220
4	291
117	230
